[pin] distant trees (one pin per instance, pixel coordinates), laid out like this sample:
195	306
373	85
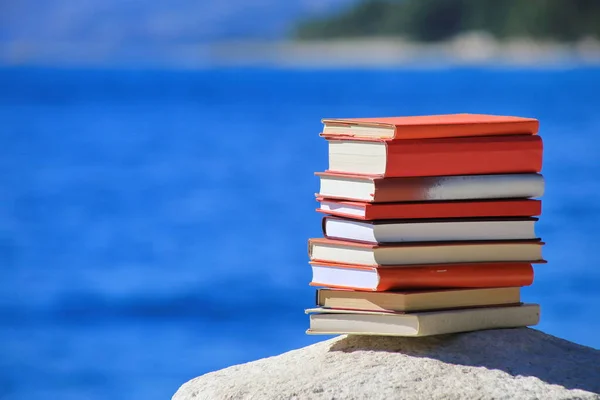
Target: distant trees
435	20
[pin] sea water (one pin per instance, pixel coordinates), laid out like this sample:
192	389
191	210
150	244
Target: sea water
153	224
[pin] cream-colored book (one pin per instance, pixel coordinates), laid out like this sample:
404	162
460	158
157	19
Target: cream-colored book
357	253
338	322
417	300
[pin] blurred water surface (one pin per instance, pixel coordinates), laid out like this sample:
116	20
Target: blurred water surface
153	224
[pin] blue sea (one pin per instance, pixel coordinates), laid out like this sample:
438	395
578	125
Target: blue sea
153	224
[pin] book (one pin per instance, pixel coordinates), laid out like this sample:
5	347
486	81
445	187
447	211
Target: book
437	157
429	126
431	209
429	230
417	300
436	188
337	322
404	277
344	252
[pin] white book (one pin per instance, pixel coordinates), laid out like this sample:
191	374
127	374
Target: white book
429	230
430	188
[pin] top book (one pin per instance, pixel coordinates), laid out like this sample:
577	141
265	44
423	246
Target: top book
429	126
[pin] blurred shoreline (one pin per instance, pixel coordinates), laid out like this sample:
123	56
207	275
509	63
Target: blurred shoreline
472	49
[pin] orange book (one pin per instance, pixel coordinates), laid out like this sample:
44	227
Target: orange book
432	276
430	209
429	126
436	157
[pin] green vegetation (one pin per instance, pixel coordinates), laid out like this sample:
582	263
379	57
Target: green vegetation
435	20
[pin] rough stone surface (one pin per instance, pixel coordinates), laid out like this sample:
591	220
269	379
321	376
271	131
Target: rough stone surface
497	364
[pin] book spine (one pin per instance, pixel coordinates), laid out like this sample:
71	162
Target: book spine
470	156
528	127
477	319
462	187
501	208
482	275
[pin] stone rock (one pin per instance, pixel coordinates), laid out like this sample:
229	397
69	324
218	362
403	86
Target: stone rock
496	364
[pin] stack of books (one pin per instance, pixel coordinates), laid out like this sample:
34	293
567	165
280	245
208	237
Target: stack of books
429	225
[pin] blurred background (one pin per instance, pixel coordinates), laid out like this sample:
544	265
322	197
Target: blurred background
157	160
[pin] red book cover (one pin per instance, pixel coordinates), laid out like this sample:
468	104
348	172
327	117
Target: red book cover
432	126
435	276
457	156
431	209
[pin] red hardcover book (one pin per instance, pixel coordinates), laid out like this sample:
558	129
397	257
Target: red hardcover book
435	276
437	157
431	209
429	126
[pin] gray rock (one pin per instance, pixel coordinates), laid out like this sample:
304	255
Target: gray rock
497	364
